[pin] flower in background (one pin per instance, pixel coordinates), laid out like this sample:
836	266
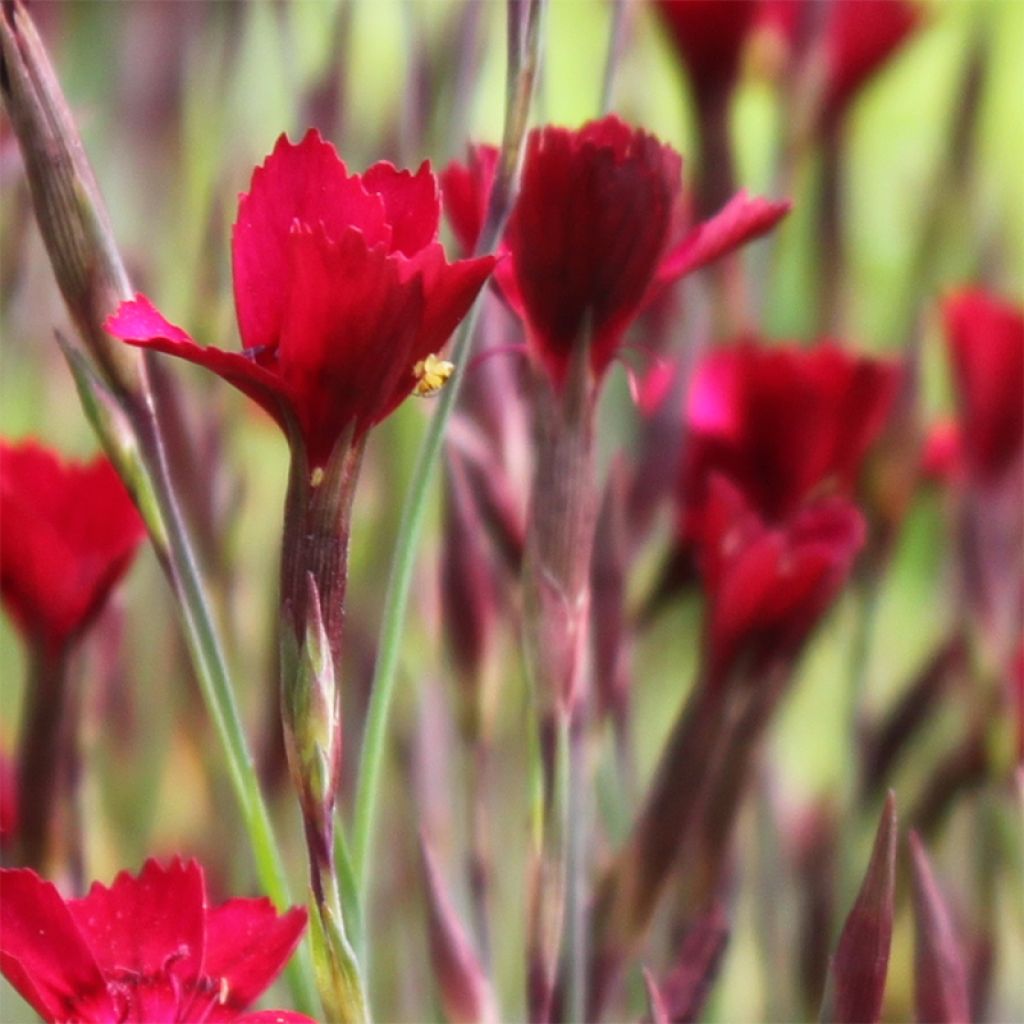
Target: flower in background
985	336
68	532
466	189
342	290
148	948
986	347
769	585
597	230
784	424
709	36
859	38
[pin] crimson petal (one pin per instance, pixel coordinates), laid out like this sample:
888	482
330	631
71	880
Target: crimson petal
346	352
141	324
248	944
741	220
44	955
148	927
412	202
305	182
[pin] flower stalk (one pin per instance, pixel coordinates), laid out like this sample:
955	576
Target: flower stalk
47	729
524	42
314	572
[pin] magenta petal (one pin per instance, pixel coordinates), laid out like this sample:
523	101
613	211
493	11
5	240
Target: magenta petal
466	190
151	924
248	945
741	219
449	290
306	183
273	1017
140	323
412	202
347	343
43	954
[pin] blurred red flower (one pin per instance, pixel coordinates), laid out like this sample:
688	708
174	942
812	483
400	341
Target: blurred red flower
709	36
768	586
148	948
783	424
986	343
860	36
68	532
466	189
341	288
597	229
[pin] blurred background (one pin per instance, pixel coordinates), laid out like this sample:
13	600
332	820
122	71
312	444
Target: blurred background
176	103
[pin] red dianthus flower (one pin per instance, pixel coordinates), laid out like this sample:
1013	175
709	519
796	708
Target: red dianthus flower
784	424
986	343
709	37
341	288
68	532
147	949
769	585
597	229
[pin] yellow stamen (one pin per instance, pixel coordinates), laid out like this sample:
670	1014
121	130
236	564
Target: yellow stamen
317	477
431	374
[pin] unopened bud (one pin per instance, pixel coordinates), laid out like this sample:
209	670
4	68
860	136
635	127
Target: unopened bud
312	719
68	207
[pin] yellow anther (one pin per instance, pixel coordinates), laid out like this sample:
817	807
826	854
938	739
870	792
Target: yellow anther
431	374
316	477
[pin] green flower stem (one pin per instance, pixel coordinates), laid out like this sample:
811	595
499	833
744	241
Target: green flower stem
131	437
524	50
218	693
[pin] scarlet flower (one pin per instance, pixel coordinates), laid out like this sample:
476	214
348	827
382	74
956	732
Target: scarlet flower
146	949
596	231
709	36
341	289
768	586
68	532
784	424
986	345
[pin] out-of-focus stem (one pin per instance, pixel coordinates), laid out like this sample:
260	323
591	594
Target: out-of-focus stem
478	860
832	262
577	894
523	62
866	608
616	41
46	727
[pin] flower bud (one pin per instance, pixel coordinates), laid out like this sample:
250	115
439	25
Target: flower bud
68	207
311	713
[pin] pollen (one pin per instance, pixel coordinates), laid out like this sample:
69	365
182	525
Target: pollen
316	478
431	374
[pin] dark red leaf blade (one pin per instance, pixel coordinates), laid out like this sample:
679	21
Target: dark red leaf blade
940	976
858	970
